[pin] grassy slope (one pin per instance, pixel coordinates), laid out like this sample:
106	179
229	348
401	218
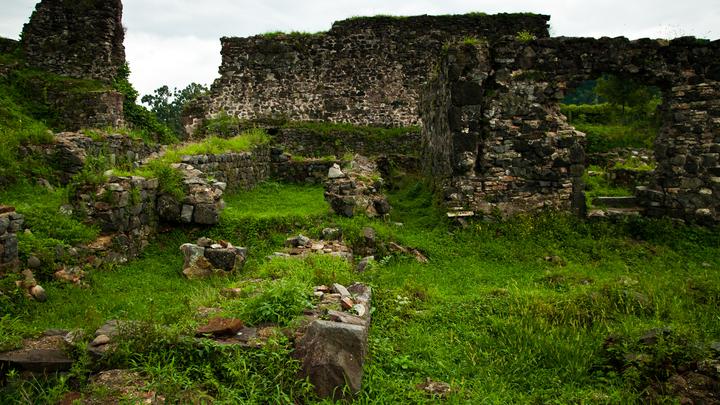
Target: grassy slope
488	314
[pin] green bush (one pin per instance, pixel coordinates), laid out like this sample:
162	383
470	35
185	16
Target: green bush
280	303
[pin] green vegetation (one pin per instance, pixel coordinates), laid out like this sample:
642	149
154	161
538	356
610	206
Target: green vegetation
139	117
50	228
296	35
622	113
168	106
222	125
489	314
525	36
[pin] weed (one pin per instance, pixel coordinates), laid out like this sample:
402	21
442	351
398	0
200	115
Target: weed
525	36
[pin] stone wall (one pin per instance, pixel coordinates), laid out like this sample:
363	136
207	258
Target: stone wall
69	152
491	146
364	71
76	38
243	170
10	224
520	135
95	109
310	143
302	170
128	210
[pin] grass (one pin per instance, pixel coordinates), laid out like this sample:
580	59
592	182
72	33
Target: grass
602	138
489	314
599	185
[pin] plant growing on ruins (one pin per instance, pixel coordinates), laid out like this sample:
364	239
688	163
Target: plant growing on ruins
525	36
279	304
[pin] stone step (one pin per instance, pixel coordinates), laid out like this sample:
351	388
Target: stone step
615	212
615	202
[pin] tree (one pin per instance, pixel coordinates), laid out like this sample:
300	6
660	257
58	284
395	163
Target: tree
624	92
168	106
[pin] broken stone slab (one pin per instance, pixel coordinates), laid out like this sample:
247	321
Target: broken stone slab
218	327
332	356
340	289
46	354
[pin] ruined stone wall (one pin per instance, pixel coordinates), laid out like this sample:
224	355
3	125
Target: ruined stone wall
10	224
522	131
243	170
69	152
490	143
365	71
76	38
309	143
78	110
128	210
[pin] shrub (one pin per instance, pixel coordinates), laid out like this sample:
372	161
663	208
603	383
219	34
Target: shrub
280	303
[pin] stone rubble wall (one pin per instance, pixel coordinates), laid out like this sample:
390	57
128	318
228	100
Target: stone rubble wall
309	143
133	208
529	152
687	183
11	223
365	71
240	171
81	39
69	152
502	154
95	109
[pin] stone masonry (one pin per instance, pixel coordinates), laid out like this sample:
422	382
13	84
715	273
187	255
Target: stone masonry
76	38
518	130
365	71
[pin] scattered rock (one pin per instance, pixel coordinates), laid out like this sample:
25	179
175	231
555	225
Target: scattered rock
100	340
38	293
340	289
220	327
231	292
34	263
335	172
435	388
365	264
297	241
332	234
73	275
347	303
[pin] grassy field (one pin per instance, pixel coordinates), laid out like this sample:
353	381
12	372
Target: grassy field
513	312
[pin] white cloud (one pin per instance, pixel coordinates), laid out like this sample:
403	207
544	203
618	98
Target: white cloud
173	61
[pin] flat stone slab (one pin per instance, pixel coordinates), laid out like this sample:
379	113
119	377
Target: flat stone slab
45	354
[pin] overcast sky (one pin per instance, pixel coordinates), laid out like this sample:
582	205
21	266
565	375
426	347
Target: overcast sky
176	42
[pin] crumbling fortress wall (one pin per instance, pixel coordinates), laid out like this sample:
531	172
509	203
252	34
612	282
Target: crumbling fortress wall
77	38
364	71
81	40
494	138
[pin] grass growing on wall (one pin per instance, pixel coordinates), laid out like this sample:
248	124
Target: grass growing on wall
328	129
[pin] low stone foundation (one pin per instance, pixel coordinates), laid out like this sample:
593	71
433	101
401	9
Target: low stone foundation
240	171
69	152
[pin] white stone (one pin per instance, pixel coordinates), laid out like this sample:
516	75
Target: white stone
335	172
